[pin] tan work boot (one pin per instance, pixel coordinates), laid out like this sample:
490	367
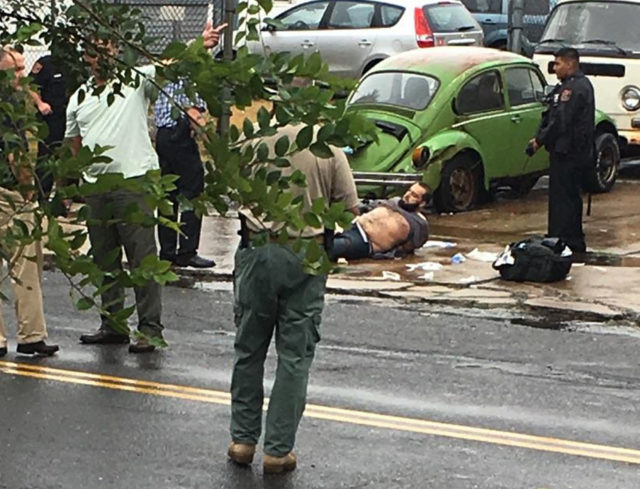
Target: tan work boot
241	453
277	465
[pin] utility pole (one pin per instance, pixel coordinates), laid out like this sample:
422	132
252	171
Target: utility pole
516	24
229	17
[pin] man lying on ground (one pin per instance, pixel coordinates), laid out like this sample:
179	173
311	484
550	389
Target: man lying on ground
394	228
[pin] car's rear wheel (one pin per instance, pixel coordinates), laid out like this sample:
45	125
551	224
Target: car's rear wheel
603	173
460	185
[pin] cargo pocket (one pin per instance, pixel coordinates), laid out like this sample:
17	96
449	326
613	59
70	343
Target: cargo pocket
314	334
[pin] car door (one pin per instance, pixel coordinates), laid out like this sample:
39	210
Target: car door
525	91
482	113
298	29
347	40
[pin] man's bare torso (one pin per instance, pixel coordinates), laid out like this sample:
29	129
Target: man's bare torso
385	228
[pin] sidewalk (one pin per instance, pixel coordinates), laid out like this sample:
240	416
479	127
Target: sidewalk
606	288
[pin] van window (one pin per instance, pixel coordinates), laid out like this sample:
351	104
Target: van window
481	94
390	15
612	22
351	15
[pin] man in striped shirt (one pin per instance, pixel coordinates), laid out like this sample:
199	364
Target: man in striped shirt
179	155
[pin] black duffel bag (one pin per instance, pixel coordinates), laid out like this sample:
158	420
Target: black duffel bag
536	259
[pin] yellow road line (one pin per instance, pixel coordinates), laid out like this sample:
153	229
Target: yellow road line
348	416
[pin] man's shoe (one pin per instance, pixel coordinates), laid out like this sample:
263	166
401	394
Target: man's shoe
241	453
195	261
278	465
104	337
37	348
142	345
3	351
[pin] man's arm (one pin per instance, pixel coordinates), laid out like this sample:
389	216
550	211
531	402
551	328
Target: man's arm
76	144
24	176
43	107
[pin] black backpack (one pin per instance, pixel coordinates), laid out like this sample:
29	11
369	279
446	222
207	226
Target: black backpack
535	259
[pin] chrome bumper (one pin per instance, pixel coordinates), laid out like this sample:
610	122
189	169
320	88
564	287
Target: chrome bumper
387	179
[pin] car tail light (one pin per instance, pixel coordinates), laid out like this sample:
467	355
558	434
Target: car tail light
424	33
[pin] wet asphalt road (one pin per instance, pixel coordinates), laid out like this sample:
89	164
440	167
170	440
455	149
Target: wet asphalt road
574	383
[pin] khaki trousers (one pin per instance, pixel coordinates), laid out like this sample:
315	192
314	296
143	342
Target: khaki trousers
24	263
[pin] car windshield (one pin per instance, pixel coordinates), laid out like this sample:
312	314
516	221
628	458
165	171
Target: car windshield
611	26
409	90
445	17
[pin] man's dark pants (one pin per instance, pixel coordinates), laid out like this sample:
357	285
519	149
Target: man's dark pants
179	155
138	242
350	244
565	199
273	294
56	122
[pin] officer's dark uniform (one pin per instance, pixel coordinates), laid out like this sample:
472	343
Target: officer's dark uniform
567	131
52	87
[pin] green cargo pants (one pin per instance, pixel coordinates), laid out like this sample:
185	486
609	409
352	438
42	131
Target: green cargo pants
271	292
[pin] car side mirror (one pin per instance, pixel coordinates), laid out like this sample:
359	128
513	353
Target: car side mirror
269	28
548	90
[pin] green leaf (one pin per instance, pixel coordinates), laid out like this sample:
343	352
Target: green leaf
247	128
282	146
264	118
84	303
263	152
312	220
304	137
266	5
321	150
318	206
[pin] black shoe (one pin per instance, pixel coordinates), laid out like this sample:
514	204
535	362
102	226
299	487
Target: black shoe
3	351
141	345
102	337
37	348
195	261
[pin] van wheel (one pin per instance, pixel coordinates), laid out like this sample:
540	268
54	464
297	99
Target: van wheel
603	173
460	185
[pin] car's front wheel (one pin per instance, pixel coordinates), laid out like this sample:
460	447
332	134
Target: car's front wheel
602	175
460	185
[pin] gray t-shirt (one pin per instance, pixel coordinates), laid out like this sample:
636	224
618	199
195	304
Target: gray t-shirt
329	178
123	125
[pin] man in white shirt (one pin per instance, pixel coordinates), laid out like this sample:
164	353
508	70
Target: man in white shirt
122	126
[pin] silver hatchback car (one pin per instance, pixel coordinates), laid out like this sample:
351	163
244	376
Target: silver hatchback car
354	35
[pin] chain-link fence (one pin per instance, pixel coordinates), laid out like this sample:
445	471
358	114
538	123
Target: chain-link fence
171	20
164	20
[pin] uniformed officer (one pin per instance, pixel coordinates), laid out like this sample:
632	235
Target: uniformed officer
51	102
567	131
274	294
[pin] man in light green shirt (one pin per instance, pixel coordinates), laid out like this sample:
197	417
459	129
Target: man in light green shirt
123	127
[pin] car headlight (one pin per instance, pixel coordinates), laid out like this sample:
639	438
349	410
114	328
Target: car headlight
420	156
631	98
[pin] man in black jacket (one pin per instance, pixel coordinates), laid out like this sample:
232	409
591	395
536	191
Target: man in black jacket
567	131
51	101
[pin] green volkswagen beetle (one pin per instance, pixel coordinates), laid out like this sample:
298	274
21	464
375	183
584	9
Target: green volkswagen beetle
459	119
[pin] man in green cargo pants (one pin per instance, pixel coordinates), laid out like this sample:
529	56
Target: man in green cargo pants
273	294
